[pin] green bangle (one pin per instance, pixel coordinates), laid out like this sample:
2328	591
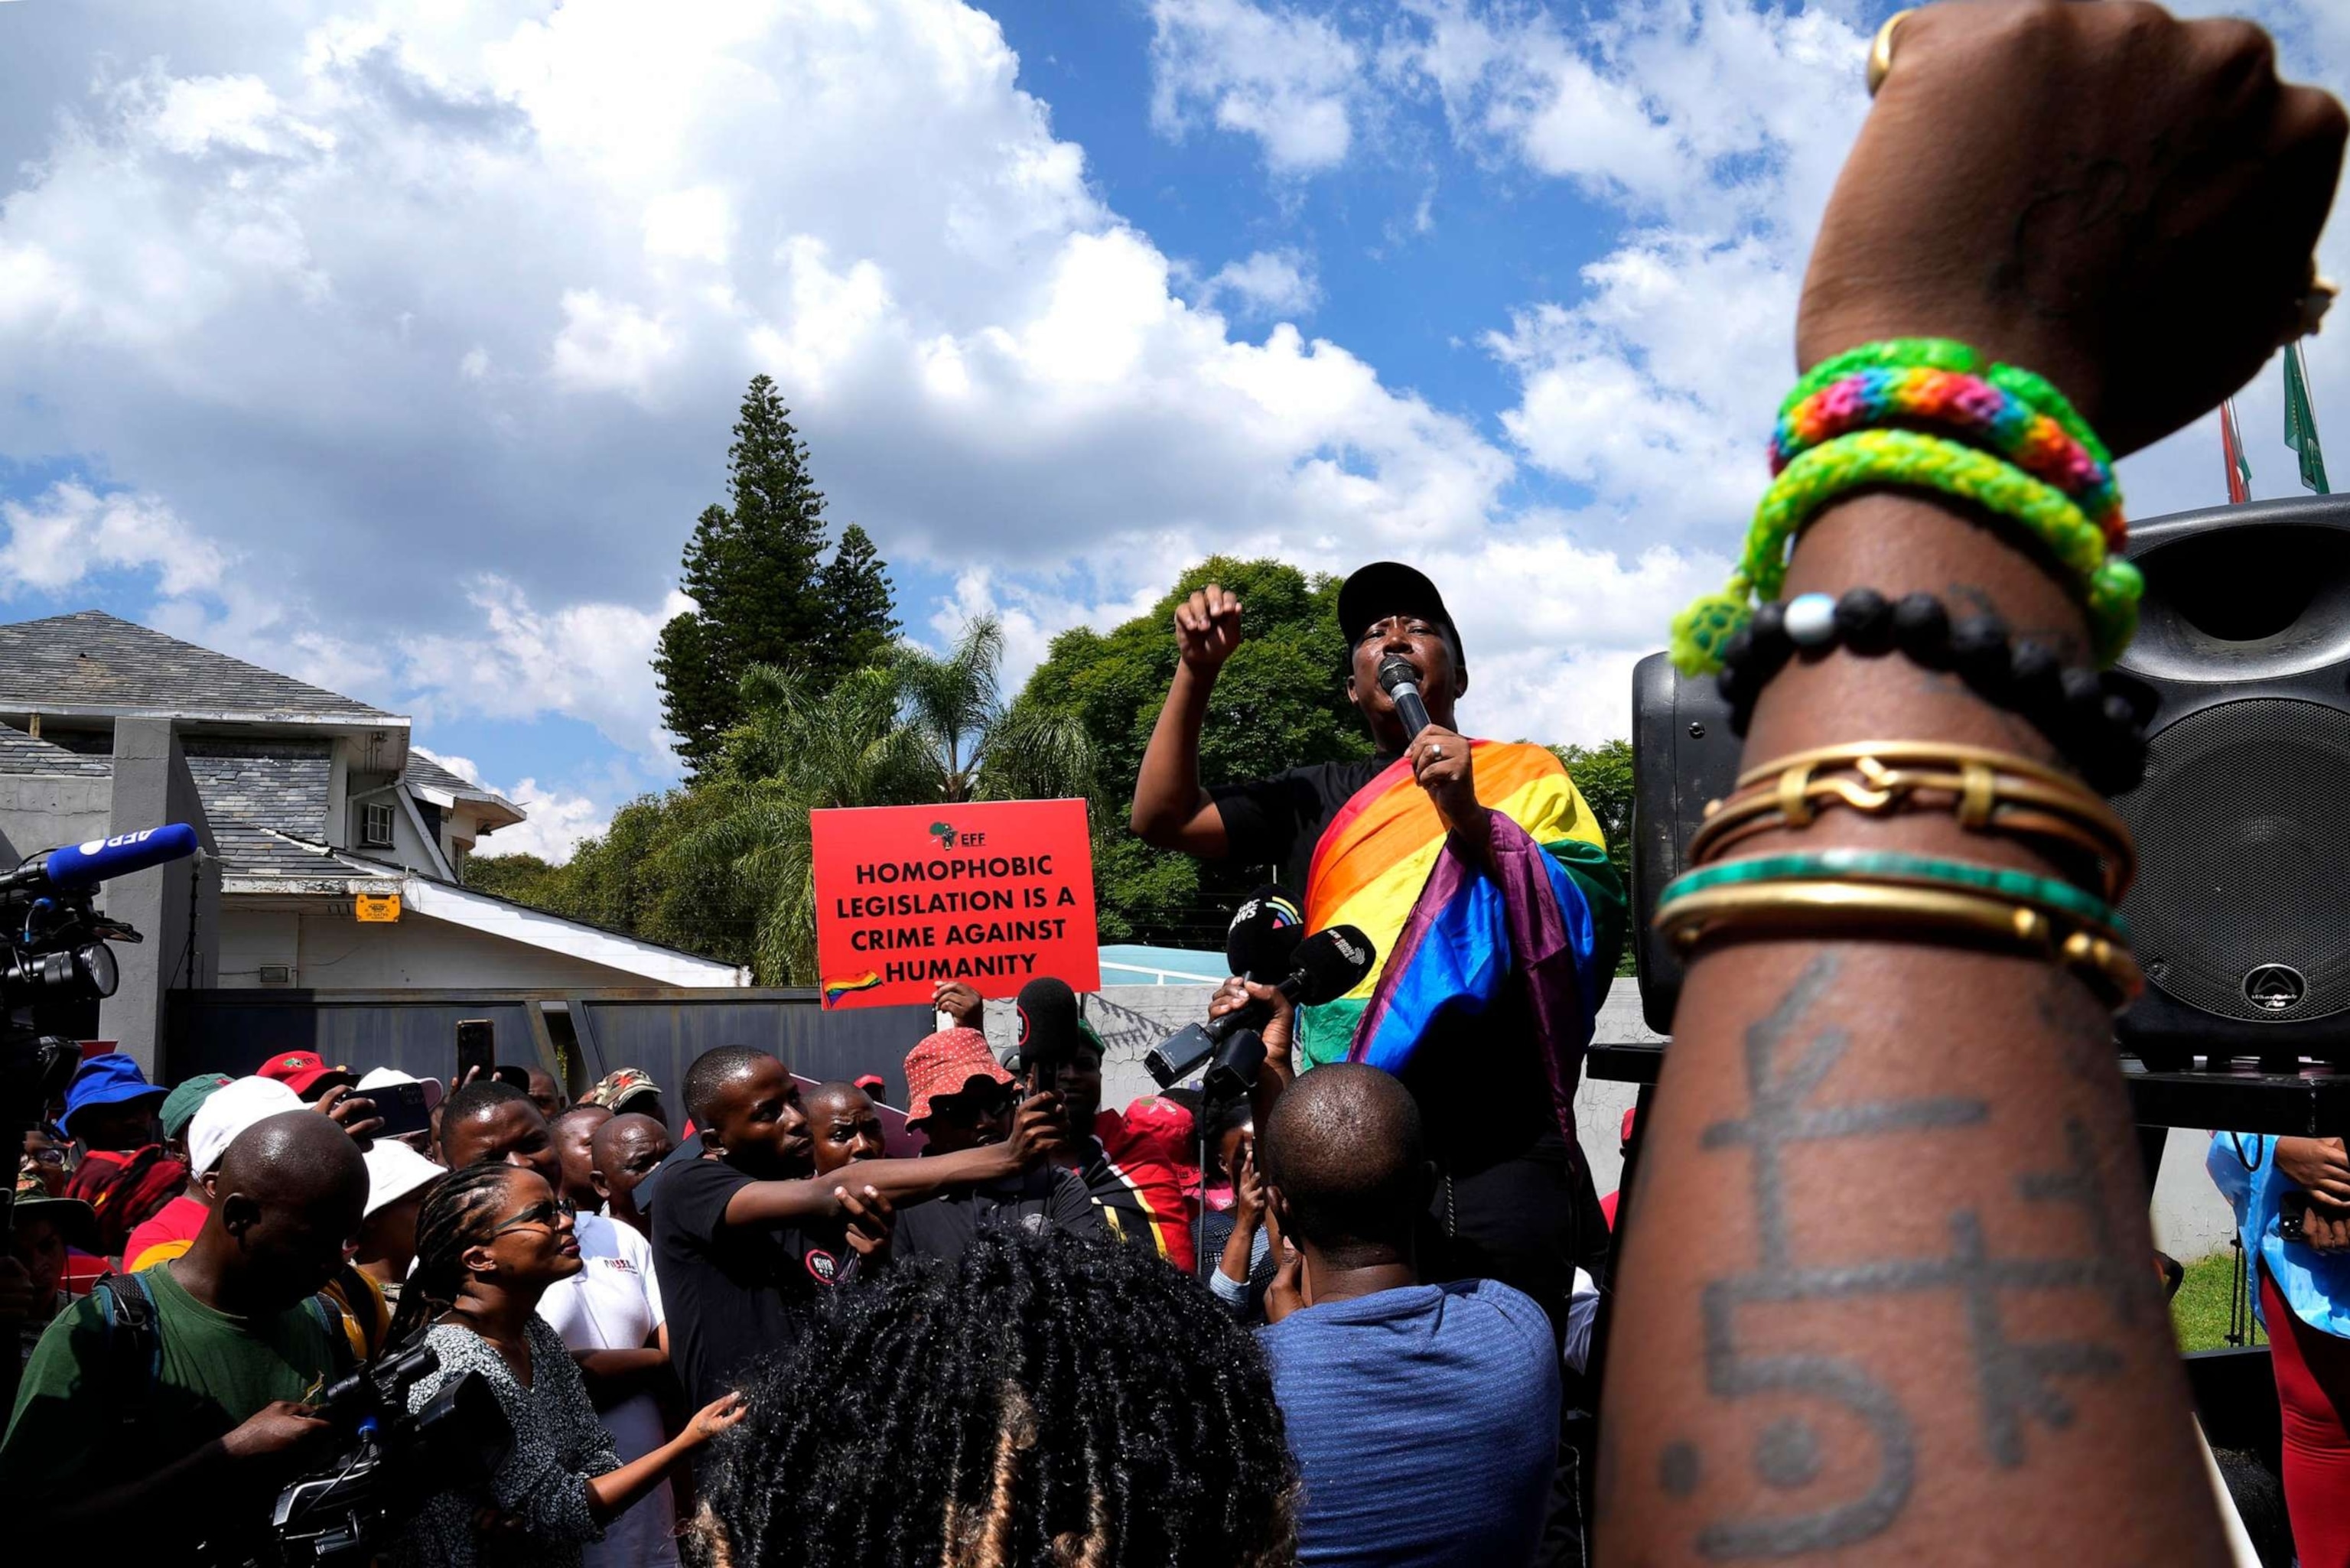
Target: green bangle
1892	866
1949	354
2109	587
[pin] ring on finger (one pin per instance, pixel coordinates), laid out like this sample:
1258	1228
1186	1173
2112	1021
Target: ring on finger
1436	751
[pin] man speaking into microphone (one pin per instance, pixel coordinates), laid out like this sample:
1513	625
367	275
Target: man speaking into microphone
1482	878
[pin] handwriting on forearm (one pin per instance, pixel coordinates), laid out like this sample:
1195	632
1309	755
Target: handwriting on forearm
1789	1061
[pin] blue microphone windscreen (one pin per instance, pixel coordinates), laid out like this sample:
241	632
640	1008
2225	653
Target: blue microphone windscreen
87	864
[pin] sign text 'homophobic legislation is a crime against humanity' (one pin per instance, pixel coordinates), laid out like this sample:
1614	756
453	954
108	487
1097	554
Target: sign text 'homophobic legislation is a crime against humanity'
992	894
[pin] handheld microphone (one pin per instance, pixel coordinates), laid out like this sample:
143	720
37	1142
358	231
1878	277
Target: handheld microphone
1265	934
1401	684
1048	1010
77	865
1327	966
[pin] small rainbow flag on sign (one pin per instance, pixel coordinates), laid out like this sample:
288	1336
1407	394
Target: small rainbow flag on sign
834	989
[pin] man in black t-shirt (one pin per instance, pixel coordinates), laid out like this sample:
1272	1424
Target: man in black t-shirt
1488	1077
730	1234
960	1098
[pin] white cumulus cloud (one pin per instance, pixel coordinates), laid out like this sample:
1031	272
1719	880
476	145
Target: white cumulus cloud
1277	73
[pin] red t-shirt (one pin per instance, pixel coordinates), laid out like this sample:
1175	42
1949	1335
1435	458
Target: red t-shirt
174	1227
1143	1172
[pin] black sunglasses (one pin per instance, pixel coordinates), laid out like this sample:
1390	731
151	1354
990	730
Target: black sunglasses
551	1213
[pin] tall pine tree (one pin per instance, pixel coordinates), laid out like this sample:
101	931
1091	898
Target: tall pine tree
761	591
855	588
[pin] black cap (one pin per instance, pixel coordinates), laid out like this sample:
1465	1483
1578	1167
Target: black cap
1371	594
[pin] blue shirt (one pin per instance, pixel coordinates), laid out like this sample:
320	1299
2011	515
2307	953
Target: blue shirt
2316	1284
1425	1425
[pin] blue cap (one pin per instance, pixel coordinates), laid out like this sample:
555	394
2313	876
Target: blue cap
106	1080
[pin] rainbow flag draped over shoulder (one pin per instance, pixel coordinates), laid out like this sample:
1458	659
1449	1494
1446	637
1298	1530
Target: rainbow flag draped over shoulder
1453	936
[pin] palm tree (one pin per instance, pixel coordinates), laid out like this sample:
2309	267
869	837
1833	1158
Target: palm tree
979	748
923	729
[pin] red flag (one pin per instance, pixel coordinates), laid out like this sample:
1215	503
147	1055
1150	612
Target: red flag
2232	446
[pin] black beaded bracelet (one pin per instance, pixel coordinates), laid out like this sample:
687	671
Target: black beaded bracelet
2096	719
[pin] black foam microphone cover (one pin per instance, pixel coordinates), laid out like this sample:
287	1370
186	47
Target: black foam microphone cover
1402	683
1048	1020
1265	934
1333	961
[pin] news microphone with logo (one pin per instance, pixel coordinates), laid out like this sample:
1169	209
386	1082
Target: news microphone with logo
1402	683
77	865
1048	1011
1263	935
1327	966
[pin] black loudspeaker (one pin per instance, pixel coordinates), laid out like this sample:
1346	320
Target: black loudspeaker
2241	910
2243	820
1683	756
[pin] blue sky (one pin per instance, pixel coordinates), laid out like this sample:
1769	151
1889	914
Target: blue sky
393	345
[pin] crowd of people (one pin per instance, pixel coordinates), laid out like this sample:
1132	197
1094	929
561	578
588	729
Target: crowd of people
630	1295
1350	1316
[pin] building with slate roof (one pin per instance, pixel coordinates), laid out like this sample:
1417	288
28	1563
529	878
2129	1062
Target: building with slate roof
307	800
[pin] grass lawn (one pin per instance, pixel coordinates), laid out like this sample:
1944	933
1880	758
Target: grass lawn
2198	1313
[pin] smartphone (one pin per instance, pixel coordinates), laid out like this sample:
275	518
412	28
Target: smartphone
406	1109
477	1043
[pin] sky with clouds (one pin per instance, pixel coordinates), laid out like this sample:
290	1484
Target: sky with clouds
392	343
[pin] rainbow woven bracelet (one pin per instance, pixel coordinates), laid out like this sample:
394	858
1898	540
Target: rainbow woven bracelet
2109	587
1994	418
2035	391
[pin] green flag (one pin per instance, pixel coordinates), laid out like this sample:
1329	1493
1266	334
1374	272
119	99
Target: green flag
2300	423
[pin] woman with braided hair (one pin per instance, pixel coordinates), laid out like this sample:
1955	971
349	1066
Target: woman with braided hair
1041	1400
489	1241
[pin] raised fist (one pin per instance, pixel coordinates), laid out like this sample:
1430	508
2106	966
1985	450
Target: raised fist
1207	629
2121	200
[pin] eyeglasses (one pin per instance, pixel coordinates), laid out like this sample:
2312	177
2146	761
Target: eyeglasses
973	1105
46	1156
552	1212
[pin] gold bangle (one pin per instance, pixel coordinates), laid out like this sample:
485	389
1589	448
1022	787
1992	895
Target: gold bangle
1947	751
1983	796
1863	909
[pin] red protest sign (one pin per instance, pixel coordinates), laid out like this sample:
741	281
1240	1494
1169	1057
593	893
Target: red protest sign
992	894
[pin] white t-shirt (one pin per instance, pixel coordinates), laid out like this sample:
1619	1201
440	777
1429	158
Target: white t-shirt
614	1303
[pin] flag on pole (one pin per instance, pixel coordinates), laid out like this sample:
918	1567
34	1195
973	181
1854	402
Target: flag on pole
2232	446
2301	421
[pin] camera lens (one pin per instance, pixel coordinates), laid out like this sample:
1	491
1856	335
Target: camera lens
98	966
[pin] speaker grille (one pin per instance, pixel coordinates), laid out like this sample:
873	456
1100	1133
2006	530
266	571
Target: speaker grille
2244	834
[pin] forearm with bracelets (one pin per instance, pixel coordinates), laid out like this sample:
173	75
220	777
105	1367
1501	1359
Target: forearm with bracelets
1923	1329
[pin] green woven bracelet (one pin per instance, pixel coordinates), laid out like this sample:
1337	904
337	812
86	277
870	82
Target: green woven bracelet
1950	354
2109	587
1892	865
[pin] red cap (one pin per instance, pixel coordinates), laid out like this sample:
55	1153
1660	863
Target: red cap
872	1081
301	1071
944	1064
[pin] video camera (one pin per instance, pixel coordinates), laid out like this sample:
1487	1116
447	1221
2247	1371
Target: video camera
1266	942
53	949
344	1511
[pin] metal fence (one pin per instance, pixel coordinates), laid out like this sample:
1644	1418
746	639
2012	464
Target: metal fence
578	1035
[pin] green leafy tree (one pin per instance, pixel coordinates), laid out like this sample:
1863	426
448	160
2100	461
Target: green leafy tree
1603	774
763	592
919	730
1279	701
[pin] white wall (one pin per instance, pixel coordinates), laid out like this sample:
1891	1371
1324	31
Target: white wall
335	951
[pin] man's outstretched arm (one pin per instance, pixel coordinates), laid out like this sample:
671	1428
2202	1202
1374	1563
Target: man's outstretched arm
1923	1328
